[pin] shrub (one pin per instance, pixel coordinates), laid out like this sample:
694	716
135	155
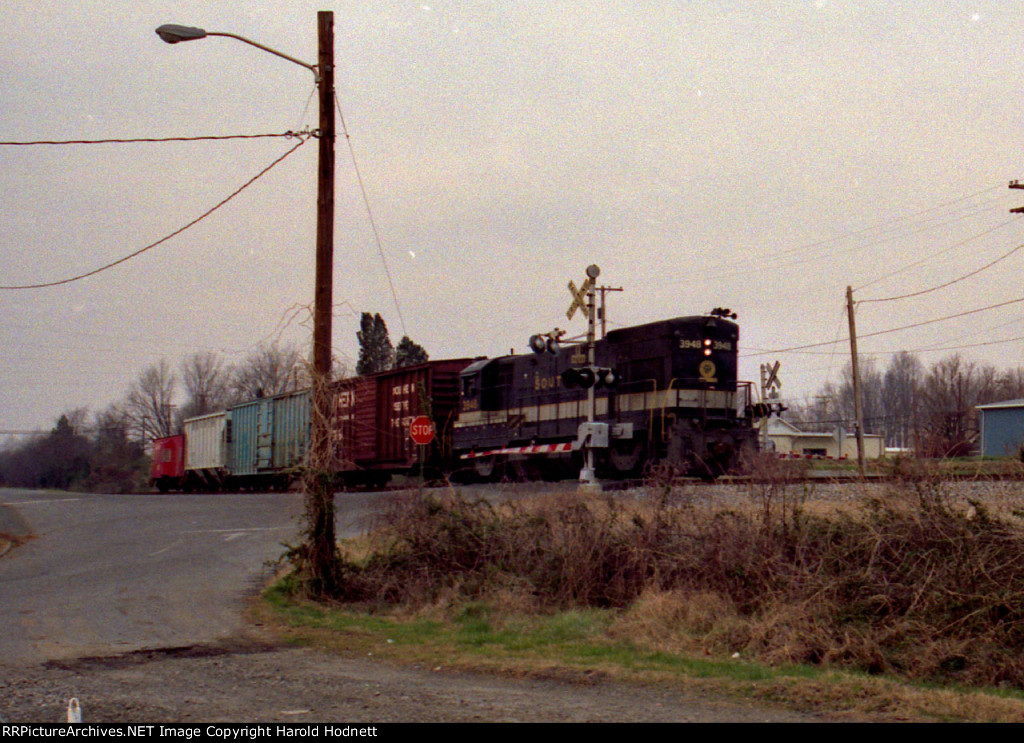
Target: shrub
905	583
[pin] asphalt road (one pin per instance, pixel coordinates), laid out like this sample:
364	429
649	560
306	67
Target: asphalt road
104	574
133	606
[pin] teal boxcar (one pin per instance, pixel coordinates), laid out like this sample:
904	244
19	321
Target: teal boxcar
268	440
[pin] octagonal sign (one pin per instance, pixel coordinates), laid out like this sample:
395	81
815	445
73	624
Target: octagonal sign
421	430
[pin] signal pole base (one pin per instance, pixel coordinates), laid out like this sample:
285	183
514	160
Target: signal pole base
588	481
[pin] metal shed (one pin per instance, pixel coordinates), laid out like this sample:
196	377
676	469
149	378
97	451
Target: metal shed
1002	428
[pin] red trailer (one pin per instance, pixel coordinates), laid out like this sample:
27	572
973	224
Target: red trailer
372	415
168	469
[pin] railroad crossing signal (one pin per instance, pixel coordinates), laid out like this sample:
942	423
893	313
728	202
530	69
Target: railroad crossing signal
589	376
770	376
579	299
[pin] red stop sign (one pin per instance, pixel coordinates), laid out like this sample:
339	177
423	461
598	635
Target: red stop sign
421	430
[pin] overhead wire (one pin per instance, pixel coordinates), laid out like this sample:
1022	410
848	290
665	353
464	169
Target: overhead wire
889	231
890	330
369	211
806	348
893	220
135	140
140	251
916	263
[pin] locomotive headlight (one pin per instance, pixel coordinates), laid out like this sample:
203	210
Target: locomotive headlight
707	346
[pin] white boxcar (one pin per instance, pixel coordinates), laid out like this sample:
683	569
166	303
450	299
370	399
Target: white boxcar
206	451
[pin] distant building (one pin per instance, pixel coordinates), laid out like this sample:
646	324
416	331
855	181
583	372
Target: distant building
1002	428
785	438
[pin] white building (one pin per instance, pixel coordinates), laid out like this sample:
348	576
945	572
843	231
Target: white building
783	437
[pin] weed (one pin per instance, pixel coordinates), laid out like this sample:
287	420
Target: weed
907	583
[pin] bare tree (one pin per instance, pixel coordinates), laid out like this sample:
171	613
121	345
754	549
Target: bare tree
206	385
871	392
269	370
901	385
77	418
149	406
949	392
1010	385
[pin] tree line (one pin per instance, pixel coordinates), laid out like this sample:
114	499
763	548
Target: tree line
107	450
929	409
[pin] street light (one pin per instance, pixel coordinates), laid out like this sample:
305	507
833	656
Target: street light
320	497
172	33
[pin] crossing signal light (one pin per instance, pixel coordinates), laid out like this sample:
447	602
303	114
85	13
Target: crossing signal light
586	377
608	377
546	343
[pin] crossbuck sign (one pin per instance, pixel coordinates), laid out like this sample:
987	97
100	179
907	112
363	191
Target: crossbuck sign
579	299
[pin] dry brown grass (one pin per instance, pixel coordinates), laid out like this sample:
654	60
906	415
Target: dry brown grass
910	579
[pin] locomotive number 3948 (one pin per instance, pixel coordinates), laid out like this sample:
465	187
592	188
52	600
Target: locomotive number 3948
686	344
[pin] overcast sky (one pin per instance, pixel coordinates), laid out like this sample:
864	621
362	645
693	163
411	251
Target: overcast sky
751	154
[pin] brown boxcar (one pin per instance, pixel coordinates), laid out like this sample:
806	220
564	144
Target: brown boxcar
371	417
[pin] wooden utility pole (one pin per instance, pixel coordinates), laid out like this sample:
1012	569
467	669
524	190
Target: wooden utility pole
325	198
319	485
856	381
321	551
1017	185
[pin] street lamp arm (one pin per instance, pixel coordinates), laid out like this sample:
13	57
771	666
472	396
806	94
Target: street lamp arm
311	67
172	34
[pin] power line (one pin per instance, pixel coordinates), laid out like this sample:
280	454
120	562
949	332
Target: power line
934	255
369	212
136	140
941	319
890	330
886	231
162	240
948	283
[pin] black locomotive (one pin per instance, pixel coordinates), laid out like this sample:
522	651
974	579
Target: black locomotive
666	394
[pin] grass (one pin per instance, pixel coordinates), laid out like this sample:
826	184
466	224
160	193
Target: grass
576	647
908	604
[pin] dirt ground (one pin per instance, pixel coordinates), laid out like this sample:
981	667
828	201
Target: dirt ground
259	682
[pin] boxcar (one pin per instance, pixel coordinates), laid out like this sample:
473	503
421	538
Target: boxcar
206	451
371	417
267	440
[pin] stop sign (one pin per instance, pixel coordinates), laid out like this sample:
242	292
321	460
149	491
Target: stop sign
421	430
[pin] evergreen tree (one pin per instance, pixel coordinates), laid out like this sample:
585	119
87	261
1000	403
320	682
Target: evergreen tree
376	353
409	353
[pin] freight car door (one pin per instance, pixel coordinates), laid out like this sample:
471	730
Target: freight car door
265	435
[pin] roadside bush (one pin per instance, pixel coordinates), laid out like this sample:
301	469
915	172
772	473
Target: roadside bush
903	583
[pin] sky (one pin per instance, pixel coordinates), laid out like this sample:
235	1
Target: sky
748	154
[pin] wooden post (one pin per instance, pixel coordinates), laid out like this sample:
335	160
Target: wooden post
855	368
322	553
